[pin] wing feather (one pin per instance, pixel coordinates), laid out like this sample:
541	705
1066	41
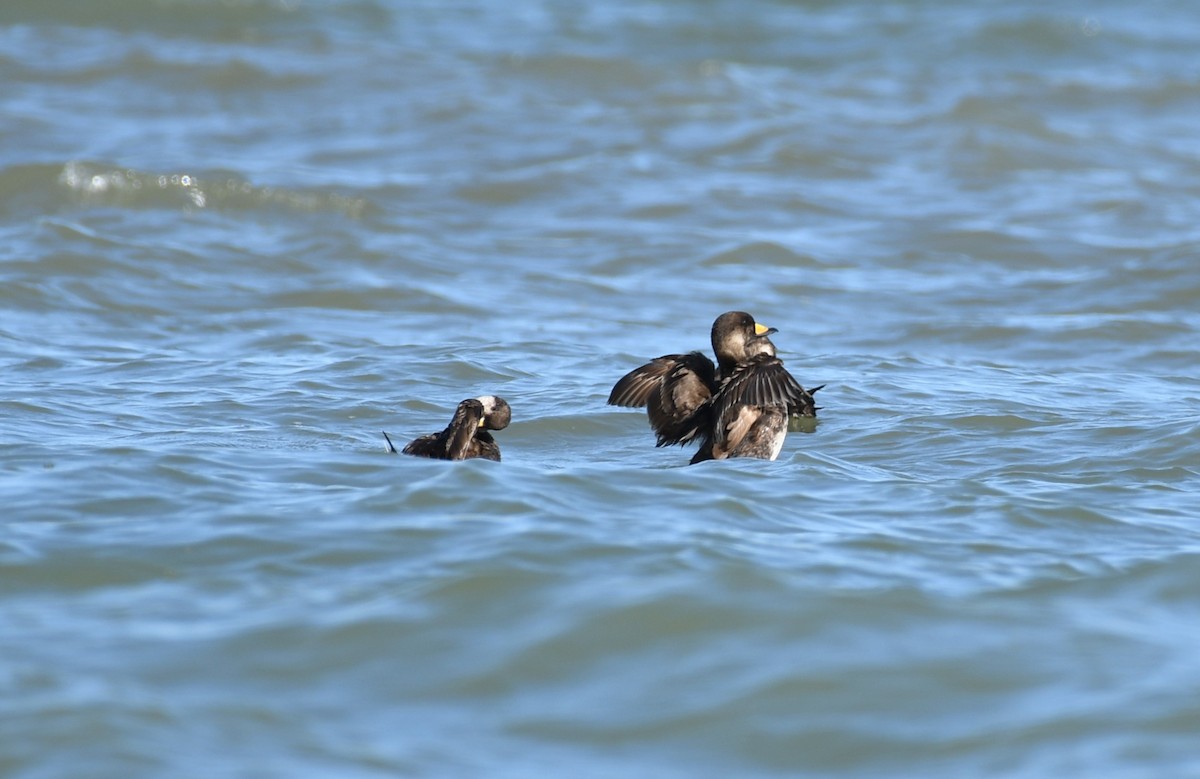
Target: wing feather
675	390
764	381
633	390
678	410
430	445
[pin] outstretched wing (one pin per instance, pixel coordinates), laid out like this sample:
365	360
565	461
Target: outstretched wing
675	389
748	415
679	409
634	388
764	381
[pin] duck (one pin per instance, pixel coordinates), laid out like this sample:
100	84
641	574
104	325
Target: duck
467	434
738	407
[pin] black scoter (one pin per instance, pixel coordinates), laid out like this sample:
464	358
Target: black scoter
736	408
467	434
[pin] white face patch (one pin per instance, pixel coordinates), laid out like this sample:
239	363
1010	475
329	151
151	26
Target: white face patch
496	413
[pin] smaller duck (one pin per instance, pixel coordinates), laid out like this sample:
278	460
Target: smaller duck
467	434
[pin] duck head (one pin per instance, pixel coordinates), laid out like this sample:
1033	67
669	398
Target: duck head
736	337
496	412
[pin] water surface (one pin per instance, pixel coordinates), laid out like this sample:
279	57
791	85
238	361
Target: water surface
238	239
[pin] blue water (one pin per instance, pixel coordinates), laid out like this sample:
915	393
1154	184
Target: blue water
239	239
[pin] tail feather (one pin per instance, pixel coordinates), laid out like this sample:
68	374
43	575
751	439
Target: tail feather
391	447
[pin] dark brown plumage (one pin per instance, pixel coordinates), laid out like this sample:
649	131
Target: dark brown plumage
467	434
736	408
